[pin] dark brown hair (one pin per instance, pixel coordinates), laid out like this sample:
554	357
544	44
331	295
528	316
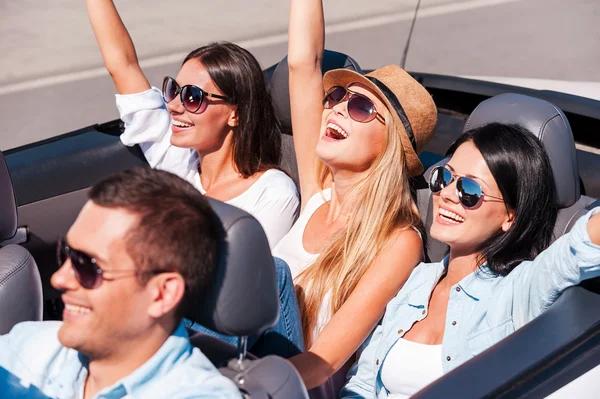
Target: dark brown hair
523	173
257	138
178	230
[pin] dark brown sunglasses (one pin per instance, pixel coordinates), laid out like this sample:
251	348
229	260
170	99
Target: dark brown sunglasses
86	270
191	96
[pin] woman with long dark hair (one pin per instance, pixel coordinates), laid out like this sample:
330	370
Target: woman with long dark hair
493	206
213	124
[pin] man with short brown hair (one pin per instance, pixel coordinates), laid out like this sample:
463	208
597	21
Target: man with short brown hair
142	248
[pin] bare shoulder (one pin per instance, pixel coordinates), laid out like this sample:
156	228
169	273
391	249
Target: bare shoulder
397	259
406	240
406	237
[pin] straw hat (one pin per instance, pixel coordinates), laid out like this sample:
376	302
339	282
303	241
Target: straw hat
407	100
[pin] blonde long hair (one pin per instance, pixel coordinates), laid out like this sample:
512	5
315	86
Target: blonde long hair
382	204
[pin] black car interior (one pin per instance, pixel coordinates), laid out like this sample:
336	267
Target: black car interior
46	183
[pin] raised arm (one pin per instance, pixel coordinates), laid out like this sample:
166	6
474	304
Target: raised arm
305	51
358	316
569	260
116	46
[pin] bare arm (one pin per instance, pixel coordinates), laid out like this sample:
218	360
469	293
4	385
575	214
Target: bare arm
116	47
355	320
305	51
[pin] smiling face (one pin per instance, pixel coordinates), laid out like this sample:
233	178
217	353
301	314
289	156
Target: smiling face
98	321
348	145
464	230
206	129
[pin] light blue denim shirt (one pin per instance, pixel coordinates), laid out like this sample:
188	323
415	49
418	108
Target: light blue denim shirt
33	364
482	309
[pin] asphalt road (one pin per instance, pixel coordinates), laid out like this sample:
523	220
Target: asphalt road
52	80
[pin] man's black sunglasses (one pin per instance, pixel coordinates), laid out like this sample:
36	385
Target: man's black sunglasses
86	270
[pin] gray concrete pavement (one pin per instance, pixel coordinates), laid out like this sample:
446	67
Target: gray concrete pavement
52	80
57	34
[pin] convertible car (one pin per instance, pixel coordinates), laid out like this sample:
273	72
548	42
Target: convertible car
45	184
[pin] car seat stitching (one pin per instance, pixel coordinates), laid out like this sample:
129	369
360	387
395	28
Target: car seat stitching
468	124
568	226
15	270
543	127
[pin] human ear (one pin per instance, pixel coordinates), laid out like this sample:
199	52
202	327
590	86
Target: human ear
166	290
510	218
233	120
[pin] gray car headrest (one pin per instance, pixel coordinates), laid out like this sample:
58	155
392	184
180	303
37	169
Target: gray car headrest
8	205
279	84
20	288
244	297
549	124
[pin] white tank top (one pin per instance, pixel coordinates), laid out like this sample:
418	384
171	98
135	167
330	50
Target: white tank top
291	250
410	367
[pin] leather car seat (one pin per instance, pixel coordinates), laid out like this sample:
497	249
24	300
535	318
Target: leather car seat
20	282
243	301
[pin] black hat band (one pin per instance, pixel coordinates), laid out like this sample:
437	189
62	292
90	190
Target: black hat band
397	107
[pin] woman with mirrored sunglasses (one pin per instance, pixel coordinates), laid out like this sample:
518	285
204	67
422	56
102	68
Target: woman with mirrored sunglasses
213	124
357	139
493	206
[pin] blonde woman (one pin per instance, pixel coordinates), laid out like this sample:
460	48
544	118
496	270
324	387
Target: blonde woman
356	240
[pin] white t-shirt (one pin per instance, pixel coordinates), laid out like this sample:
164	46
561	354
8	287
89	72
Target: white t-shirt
292	251
272	199
410	367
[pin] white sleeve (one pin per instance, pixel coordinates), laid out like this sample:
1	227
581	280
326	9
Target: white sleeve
148	123
277	216
277	208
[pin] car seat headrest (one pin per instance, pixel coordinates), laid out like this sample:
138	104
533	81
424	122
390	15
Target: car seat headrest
8	205
21	297
279	84
549	124
243	298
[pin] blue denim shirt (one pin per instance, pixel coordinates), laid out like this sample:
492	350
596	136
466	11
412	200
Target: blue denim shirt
33	364
482	310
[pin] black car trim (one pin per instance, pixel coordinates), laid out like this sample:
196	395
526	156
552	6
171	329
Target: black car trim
68	163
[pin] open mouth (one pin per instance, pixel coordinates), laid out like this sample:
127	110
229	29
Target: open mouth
450	217
335	132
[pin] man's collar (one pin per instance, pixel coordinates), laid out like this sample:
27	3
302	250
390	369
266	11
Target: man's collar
176	349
